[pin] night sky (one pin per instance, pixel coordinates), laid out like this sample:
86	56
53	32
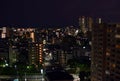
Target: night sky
56	12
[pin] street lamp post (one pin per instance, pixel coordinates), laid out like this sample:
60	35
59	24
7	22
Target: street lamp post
25	77
16	73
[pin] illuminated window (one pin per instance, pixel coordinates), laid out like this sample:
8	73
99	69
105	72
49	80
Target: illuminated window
107	54
109	30
117	46
3	35
113	65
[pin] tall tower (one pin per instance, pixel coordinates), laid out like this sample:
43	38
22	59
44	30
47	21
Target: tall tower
32	36
85	23
105	62
82	24
35	53
4	32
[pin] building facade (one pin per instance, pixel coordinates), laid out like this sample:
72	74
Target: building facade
85	23
105	62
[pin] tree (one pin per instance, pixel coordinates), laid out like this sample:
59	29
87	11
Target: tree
68	42
8	71
77	65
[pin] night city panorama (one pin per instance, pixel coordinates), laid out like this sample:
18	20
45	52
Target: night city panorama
59	40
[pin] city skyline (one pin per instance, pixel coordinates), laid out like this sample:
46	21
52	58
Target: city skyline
56	13
92	51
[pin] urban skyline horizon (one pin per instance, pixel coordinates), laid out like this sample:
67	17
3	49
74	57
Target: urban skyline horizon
74	22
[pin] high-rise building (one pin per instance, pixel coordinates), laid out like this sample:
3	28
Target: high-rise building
32	36
35	53
4	49
85	23
99	21
13	53
105	62
4	32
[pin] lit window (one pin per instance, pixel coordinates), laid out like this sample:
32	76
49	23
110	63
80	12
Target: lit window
117	46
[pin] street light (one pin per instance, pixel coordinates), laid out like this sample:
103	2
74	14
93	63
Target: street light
25	77
42	72
16	73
